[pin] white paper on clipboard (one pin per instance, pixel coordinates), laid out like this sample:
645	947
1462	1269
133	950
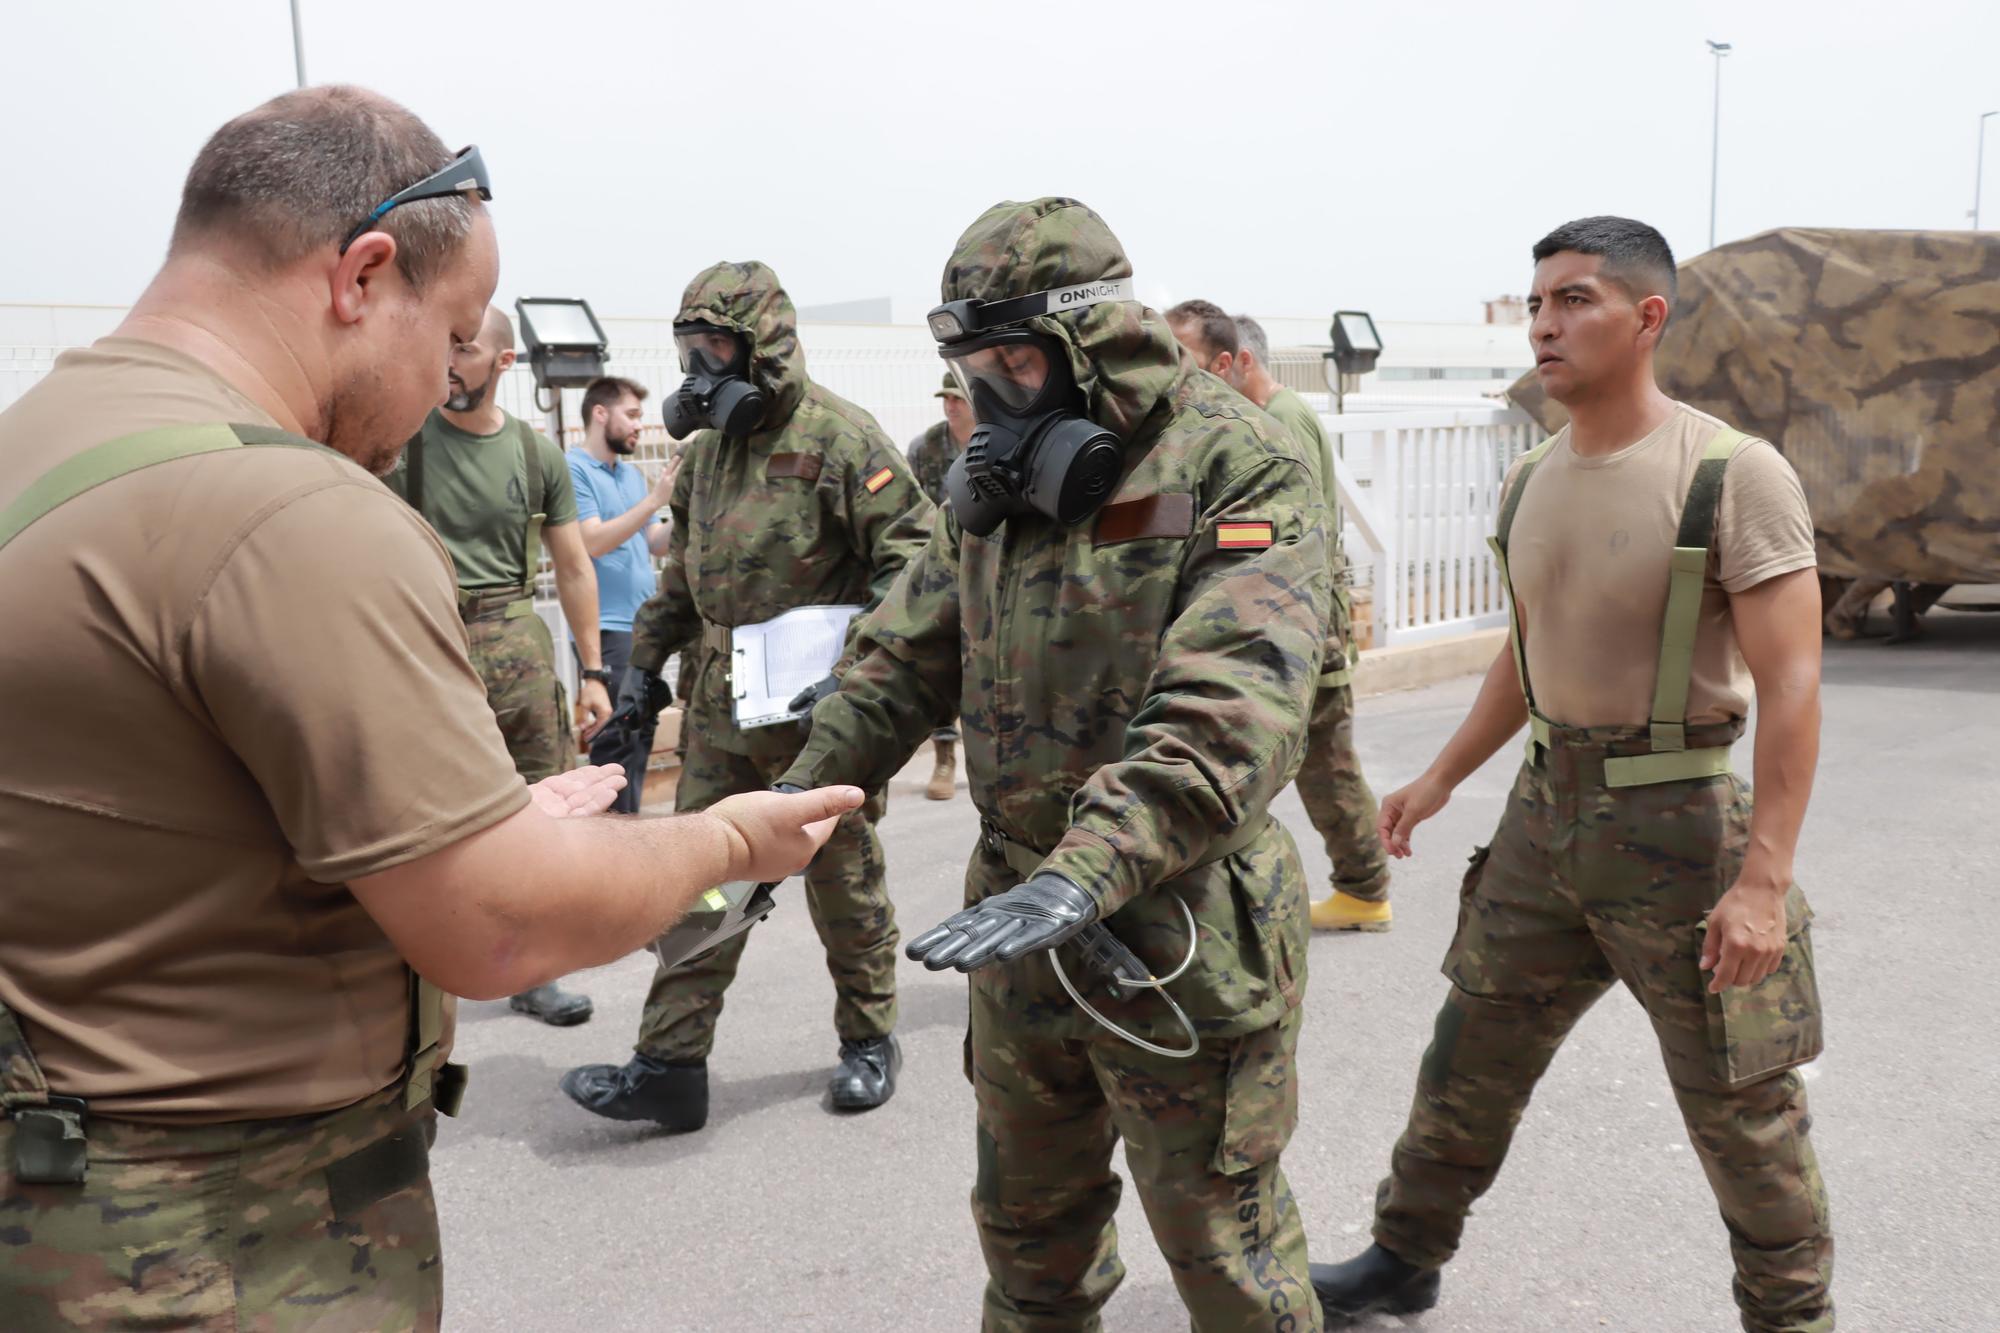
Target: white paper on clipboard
775	660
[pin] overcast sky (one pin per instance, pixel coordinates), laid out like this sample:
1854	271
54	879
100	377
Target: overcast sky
1285	158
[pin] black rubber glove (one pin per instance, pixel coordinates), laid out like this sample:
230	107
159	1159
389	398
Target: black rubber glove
808	698
641	696
1040	914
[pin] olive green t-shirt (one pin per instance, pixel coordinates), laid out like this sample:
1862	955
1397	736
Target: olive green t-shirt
1296	416
476	496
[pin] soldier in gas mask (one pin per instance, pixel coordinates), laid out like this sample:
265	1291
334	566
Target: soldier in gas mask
1125	604
790	496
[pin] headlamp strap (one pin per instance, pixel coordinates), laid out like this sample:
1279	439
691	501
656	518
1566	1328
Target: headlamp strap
1016	309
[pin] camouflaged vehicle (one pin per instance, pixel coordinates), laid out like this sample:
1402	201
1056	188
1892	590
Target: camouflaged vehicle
1871	359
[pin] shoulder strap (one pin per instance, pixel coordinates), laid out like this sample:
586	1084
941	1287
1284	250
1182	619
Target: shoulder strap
531	537
1684	585
1498	541
130	453
413	472
1512	500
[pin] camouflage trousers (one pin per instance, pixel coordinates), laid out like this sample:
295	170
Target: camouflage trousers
516	659
846	892
323	1222
1584	886
1337	798
1202	1141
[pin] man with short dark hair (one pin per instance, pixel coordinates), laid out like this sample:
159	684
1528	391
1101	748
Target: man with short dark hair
1209	334
1660	566
618	512
496	490
241	883
931	455
1331	786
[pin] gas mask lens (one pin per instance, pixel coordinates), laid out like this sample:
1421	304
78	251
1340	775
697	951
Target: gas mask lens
1014	373
707	348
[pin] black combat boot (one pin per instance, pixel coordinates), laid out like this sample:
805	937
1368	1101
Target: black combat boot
1374	1280
552	1004
867	1074
676	1095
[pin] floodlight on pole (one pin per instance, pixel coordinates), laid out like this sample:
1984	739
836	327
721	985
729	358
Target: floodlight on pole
1979	168
298	45
1356	344
565	348
1718	50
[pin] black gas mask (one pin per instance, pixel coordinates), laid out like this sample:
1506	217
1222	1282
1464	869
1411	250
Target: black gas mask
717	393
1033	449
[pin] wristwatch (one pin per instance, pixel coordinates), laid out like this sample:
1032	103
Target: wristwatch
592	673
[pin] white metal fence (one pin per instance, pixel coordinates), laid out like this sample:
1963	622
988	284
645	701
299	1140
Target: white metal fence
1419	486
1424	509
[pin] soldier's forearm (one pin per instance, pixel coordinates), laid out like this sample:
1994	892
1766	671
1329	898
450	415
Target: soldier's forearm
1786	758
578	594
1497	714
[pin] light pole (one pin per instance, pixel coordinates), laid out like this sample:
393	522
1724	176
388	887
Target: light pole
1718	50
298	45
1979	168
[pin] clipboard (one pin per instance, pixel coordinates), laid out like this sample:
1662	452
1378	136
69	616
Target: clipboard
771	662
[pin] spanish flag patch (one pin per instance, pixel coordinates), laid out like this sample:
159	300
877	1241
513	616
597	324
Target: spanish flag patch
879	480
1248	536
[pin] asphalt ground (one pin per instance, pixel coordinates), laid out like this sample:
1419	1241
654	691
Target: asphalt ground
781	1215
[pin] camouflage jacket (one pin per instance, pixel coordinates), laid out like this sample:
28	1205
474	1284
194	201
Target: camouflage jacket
1133	690
814	508
931	456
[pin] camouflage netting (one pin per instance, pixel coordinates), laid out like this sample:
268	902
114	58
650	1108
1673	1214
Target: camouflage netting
1872	360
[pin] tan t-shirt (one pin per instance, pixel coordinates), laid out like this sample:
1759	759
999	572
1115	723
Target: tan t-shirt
1589	556
228	684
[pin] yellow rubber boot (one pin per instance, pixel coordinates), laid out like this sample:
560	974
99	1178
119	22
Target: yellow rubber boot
1341	911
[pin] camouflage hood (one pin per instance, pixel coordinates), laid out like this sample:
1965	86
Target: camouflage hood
746	297
1871	359
1123	355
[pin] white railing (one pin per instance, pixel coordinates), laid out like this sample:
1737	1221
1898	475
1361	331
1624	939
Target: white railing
1427	504
1419	487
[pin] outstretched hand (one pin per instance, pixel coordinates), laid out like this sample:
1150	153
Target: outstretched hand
1040	914
776	833
589	790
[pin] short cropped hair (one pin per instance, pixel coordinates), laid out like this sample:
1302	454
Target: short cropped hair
1212	324
607	391
1636	256
1251	335
297	173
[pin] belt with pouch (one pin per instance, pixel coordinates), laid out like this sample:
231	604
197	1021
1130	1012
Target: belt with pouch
479	605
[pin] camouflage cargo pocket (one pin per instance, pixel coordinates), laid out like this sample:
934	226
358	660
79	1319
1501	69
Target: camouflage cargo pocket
1467	886
1260	1097
1756	1031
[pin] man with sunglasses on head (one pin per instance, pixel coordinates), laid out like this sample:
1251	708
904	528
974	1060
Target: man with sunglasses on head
789	496
497	492
1125	604
240	879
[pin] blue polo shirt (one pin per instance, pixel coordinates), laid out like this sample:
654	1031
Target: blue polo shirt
625	577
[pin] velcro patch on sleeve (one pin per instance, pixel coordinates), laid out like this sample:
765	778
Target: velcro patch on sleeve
1147	516
806	466
1243	535
879	480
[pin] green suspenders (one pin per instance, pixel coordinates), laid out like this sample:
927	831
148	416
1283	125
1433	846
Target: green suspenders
48	1127
1670	760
